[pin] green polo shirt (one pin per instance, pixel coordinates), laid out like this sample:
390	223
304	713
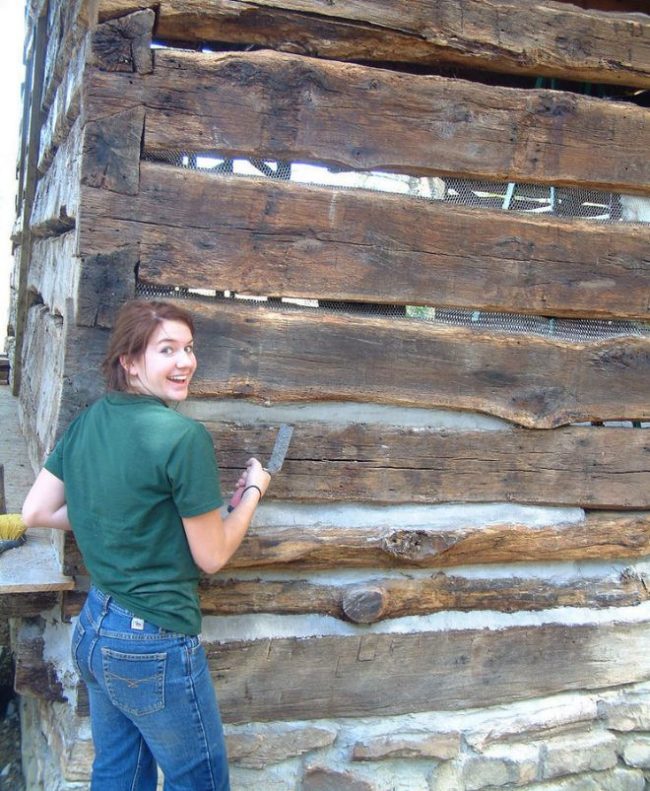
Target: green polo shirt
132	467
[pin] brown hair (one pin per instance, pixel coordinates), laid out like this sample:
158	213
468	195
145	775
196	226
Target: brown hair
136	322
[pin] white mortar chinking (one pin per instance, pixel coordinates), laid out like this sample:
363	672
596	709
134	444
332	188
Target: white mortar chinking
268	626
57	639
335	413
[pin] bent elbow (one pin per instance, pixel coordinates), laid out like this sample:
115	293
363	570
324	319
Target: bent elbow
211	565
30	516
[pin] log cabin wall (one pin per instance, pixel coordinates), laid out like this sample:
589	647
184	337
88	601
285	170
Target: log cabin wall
446	587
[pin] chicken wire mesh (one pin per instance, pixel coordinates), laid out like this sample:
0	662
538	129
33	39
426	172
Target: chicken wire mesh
593	205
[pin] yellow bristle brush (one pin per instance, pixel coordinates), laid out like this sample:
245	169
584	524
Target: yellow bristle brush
12	527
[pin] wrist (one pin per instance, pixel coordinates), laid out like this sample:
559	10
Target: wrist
255	488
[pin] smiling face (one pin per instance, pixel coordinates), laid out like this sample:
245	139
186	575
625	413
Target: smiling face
167	364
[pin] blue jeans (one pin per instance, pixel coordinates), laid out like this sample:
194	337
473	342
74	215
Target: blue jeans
151	703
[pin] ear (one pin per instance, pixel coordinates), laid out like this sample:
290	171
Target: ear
127	363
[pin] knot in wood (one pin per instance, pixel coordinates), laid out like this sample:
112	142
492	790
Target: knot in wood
418	546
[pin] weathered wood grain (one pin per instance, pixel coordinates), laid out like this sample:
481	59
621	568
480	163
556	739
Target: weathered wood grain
54	270
621	6
384	674
121	45
590	467
64	108
533	38
56	200
300	355
382	598
124	44
23	605
35	8
198	230
106	281
43	354
291	108
32	121
599	537
35	676
111	152
81	382
67	24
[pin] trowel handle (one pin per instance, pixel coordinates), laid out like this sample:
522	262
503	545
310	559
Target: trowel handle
235	499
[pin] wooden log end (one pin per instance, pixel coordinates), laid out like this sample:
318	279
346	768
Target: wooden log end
111	152
364	604
124	44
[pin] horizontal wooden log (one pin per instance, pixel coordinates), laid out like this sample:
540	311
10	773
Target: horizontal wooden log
290	108
67	24
534	38
600	536
43	356
386	674
592	467
56	201
380	598
295	355
23	605
54	269
198	230
64	109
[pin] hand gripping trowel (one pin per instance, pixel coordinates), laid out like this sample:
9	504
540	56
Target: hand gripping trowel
274	463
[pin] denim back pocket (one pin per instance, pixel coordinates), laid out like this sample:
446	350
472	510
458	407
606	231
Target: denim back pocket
77	636
135	683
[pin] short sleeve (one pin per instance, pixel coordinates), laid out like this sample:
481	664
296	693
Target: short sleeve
193	472
54	462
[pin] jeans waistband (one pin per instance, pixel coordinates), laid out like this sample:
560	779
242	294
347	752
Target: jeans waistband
108	601
100	603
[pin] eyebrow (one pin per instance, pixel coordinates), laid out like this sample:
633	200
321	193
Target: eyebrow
174	340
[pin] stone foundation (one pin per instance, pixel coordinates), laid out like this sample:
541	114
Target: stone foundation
569	742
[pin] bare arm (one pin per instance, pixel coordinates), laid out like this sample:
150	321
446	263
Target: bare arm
213	539
45	504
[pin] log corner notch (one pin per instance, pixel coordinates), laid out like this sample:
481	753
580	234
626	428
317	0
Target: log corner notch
112	143
124	44
111	152
106	282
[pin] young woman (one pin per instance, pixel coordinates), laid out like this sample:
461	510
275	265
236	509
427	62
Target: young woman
138	484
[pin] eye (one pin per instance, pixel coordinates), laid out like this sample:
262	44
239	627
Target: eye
189	349
166	350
